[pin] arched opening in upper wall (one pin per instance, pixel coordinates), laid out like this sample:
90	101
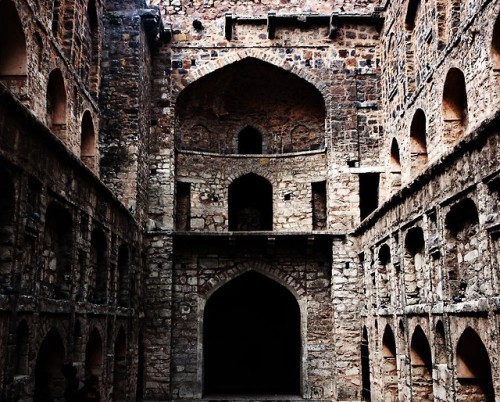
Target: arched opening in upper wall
252	339
495	44
13	54
454	105
250	92
250	203
418	142
92	36
88	141
249	141
411	14
473	369
395	164
56	103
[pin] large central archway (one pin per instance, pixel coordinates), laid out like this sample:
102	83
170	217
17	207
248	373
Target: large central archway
251	339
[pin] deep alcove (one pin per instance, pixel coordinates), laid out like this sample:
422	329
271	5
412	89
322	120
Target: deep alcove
251	339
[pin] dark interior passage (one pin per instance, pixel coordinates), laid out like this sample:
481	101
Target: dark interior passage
252	339
250	203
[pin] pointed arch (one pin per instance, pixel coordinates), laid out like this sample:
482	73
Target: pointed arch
94	356
56	103
455	107
13	53
250	141
253	92
418	142
49	379
88	141
473	368
250	203
389	365
251	345
421	366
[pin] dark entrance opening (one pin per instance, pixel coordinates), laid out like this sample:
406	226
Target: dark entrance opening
250	203
251	339
249	141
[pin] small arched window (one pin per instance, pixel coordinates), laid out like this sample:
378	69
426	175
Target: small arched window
454	104
249	141
13	55
56	103
88	143
418	142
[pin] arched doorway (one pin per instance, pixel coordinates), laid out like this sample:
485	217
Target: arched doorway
49	379
251	339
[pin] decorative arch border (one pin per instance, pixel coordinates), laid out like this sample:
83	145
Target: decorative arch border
210	287
287	281
321	85
257	170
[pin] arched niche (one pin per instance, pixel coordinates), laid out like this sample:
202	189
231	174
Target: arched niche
389	365
250	92
13	54
56	103
473	369
251	339
418	142
421	366
49	379
250	203
249	141
94	355
88	141
454	105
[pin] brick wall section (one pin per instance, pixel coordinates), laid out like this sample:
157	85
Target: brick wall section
125	100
